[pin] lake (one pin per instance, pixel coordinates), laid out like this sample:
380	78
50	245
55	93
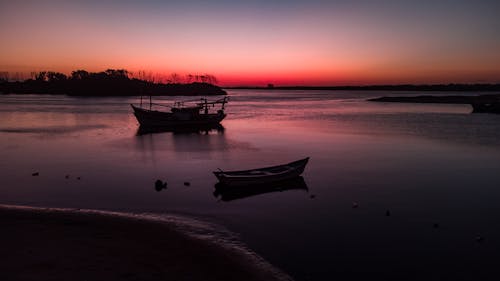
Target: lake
394	191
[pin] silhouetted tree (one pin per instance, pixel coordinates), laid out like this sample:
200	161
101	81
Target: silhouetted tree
79	74
4	76
175	78
41	76
117	73
52	76
210	79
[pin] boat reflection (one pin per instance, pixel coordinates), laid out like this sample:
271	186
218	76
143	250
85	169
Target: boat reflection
226	193
205	129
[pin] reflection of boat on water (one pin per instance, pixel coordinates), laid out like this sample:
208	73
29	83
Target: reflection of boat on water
262	175
199	113
486	107
204	129
228	193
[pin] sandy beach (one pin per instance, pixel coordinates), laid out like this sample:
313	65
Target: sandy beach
55	244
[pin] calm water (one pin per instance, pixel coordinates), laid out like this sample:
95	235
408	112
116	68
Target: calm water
426	164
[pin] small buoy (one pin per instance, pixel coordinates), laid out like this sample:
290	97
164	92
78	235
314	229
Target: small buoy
312	196
186	183
35	174
387	213
355	205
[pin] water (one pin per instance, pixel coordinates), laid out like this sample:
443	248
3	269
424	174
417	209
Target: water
434	167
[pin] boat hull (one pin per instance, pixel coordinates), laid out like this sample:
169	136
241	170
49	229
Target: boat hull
229	193
154	119
263	175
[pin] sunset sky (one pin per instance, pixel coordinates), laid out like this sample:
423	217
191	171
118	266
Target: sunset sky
257	42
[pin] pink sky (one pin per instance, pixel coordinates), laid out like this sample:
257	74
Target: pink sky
284	42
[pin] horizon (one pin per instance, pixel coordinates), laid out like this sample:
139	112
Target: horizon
285	43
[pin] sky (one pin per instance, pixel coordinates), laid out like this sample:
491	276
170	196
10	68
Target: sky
259	42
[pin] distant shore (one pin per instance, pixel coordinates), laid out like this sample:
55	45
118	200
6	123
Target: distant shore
449	99
405	87
55	244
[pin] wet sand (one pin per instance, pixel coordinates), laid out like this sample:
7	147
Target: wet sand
48	244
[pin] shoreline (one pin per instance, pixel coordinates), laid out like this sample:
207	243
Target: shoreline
448	99
74	244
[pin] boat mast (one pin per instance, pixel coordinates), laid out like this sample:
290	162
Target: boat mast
224	100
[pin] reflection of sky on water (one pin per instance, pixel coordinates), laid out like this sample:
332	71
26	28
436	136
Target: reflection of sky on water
426	163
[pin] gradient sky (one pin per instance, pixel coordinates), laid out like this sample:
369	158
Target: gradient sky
257	42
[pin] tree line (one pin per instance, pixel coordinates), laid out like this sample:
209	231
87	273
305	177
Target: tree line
111	82
148	76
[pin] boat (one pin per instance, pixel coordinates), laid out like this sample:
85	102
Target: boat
261	175
225	193
486	107
181	115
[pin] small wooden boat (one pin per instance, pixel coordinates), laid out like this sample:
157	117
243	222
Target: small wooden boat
262	175
181	115
229	193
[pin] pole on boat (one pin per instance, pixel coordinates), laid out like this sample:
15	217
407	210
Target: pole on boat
150	103
141	101
223	102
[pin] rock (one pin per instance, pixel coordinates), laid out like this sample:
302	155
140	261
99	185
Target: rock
35	174
159	185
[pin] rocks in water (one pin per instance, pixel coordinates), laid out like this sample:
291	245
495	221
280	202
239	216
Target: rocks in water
479	239
78	178
186	183
312	196
36	174
387	213
435	225
66	177
160	185
355	205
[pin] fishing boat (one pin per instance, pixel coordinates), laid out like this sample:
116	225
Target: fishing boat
225	193
190	113
262	175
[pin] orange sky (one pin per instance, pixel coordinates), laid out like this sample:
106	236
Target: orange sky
279	42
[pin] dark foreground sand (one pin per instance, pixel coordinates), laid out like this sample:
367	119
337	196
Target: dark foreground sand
47	244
